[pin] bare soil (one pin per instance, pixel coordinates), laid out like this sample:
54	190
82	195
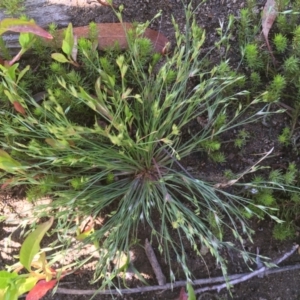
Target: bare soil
280	286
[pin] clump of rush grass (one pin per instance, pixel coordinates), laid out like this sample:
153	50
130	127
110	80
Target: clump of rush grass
125	167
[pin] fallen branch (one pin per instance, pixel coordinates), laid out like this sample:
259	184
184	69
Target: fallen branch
247	276
183	283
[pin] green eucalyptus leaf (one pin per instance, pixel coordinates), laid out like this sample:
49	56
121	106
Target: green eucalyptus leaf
66	48
59	57
31	245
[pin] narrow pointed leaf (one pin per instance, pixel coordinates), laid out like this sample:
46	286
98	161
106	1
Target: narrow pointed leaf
31	245
68	41
23	72
191	292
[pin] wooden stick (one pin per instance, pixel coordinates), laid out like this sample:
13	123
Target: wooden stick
247	276
161	279
170	286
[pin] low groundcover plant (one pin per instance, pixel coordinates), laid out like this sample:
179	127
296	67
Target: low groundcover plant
122	164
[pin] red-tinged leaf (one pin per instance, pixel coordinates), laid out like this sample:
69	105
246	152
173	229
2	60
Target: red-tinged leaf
268	18
183	295
17	25
19	108
40	290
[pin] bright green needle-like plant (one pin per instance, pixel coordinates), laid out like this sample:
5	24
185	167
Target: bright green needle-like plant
125	167
12	7
279	191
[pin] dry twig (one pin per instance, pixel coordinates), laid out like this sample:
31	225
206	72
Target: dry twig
249	170
182	283
247	276
161	279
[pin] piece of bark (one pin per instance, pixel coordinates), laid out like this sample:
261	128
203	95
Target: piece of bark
111	33
161	279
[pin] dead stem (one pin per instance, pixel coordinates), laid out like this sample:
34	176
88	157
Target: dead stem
246	276
232	278
161	279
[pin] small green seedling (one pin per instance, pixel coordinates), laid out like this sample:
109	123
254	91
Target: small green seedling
12	7
241	138
285	137
69	47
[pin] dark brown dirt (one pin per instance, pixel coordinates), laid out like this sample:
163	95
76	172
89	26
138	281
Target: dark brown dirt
280	286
